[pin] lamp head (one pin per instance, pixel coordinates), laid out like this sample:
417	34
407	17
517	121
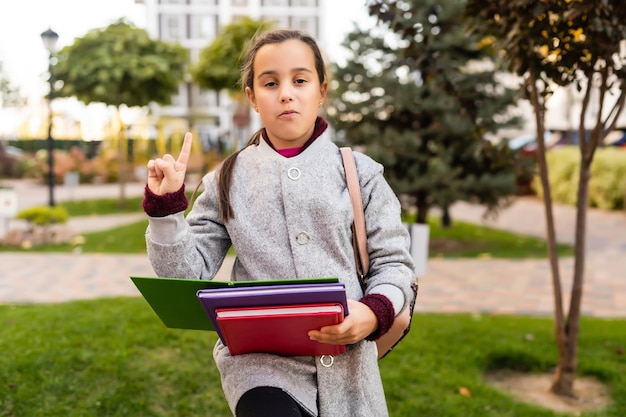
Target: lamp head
49	38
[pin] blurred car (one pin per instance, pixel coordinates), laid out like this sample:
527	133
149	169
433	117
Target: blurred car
616	138
14	151
10	157
527	144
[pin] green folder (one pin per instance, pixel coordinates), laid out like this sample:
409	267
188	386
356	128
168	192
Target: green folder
174	299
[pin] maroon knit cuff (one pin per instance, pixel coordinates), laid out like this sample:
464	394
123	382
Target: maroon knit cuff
384	311
163	205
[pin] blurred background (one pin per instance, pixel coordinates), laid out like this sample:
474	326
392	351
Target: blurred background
453	113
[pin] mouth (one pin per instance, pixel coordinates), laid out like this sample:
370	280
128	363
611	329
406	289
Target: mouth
288	113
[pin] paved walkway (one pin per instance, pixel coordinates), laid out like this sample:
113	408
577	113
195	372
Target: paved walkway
450	285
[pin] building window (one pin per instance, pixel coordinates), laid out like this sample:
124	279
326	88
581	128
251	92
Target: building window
203	2
173	1
275	3
304	3
279	21
172	27
203	26
180	99
201	98
239	3
306	24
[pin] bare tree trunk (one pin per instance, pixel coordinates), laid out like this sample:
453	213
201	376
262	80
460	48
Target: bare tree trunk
446	219
565	375
563	383
421	203
559	318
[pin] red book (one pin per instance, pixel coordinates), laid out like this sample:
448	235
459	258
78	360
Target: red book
271	295
281	330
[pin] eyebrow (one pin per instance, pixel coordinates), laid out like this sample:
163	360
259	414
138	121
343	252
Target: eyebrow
273	72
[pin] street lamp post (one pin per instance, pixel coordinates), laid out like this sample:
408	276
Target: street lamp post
49	38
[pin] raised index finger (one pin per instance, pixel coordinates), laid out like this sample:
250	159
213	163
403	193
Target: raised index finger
183	158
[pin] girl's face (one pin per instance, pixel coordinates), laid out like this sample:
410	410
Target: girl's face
286	92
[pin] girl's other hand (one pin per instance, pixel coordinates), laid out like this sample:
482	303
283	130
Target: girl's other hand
166	175
360	323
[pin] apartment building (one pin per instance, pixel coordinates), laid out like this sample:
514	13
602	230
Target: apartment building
195	24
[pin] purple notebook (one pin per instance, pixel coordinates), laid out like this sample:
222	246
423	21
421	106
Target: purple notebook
271	295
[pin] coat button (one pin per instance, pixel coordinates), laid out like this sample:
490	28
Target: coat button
303	238
293	173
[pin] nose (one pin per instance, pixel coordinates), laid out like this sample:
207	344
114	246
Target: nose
285	94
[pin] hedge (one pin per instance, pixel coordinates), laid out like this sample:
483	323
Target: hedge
607	185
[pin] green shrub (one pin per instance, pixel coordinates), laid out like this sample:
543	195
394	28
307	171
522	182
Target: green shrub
608	179
44	215
607	185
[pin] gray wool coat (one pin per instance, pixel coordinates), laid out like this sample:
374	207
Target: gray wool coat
292	219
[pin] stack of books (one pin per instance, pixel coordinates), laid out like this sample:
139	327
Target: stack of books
252	316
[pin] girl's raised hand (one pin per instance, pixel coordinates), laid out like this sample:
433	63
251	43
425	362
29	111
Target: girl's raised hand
167	175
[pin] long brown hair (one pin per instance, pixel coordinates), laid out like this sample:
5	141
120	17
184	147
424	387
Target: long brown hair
225	173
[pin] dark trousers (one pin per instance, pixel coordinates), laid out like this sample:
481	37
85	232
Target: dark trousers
268	402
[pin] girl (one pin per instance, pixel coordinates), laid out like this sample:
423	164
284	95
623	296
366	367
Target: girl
283	204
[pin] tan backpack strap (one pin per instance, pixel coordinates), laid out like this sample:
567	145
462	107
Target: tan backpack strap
359	231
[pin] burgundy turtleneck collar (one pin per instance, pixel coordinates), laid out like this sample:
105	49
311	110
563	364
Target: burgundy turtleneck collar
320	127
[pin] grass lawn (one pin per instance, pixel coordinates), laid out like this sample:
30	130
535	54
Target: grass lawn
461	240
113	357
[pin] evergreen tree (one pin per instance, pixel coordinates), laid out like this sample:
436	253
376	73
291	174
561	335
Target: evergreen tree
419	93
